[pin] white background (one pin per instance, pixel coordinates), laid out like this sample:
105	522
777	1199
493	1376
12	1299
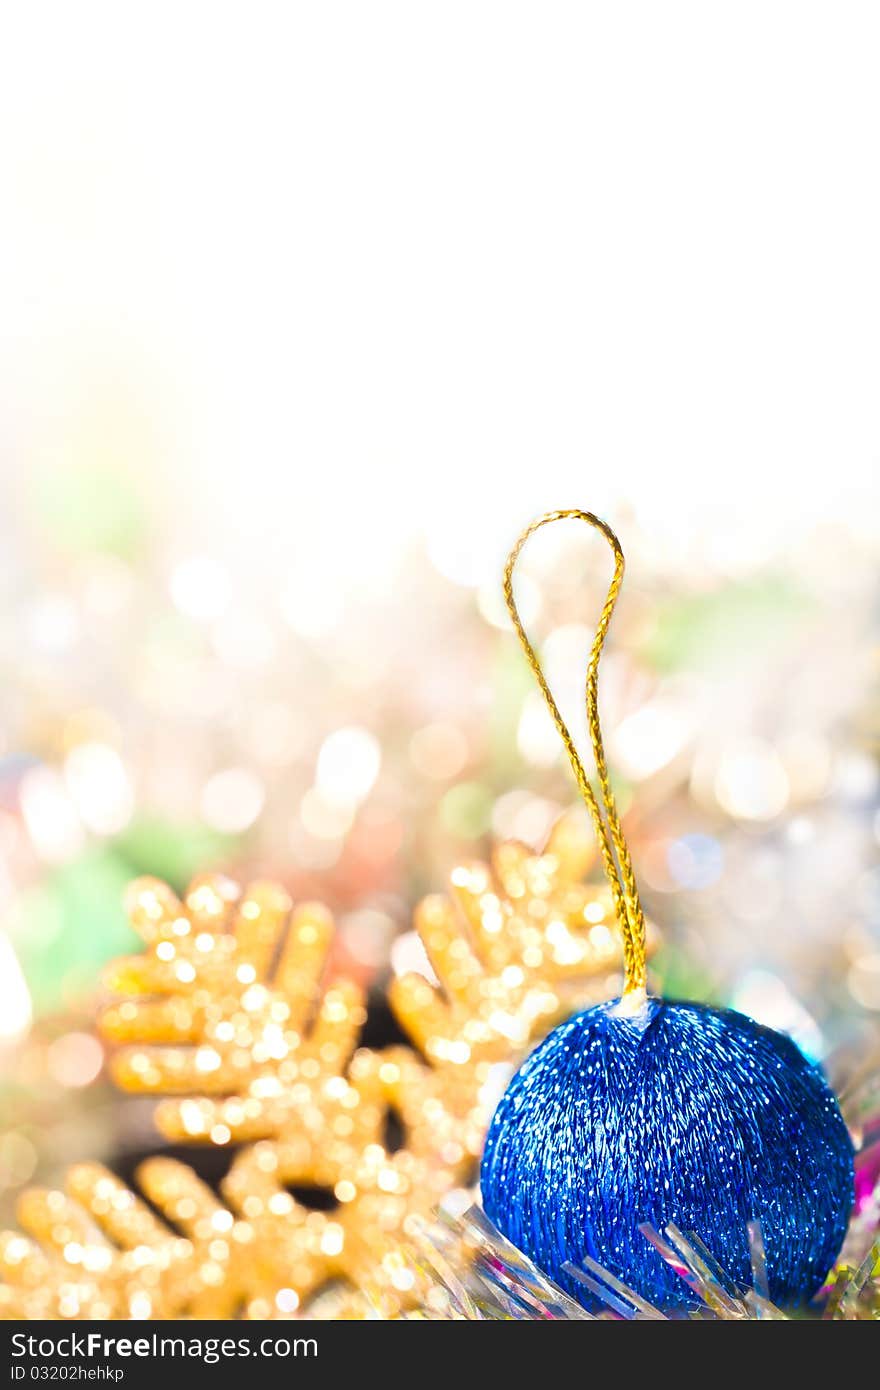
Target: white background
376	268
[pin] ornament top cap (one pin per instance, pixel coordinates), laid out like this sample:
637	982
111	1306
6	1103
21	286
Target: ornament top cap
632	1004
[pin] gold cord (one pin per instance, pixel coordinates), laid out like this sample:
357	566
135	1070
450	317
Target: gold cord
613	846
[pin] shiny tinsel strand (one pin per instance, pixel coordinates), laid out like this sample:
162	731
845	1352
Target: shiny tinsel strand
478	1275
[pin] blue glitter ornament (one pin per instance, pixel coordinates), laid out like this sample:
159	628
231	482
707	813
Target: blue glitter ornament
642	1111
675	1113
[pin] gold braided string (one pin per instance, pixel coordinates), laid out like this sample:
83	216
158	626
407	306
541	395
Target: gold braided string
612	844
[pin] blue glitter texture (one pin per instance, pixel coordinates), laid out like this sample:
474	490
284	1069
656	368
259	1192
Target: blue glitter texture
682	1113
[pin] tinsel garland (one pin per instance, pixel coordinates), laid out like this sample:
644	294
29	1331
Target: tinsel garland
477	1275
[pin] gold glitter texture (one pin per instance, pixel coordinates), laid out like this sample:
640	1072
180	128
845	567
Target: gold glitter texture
226	1011
515	945
98	1251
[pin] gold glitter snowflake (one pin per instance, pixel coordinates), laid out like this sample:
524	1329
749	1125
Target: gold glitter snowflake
227	1010
341	1152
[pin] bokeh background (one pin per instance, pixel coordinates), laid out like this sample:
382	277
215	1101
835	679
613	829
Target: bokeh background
306	310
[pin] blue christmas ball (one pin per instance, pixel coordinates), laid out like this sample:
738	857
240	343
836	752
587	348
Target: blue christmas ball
680	1114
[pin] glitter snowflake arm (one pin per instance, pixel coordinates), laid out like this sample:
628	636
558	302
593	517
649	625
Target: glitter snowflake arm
25	1274
225	1009
96	1250
512	945
371	1189
534	910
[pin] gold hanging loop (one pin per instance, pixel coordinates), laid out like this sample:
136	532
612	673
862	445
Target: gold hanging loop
612	844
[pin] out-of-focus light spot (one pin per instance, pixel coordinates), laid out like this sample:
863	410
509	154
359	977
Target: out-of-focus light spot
207	1059
649	739
519	815
695	861
566	950
496	1083
96	1258
313	851
200	587
232	800
864	981
50	815
751	782
108	586
766	999
15	1001
333	1239
868	896
800	830
409	955
274	735
457	550
466	810
348	765
99	785
244	641
439	751
287	1300
311	610
18	1159
325	819
490	601
456	1202
89	725
75	1059
856	777
654	865
564	657
366	934
753	888
53	623
536	736
807	762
